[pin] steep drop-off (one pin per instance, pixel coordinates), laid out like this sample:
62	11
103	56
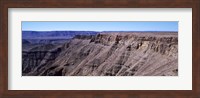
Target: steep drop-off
106	54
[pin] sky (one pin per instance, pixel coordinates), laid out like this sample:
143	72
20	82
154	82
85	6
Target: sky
100	26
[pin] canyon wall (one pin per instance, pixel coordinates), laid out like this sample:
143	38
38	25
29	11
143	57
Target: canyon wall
106	54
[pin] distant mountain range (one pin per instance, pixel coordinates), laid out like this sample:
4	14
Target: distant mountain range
70	34
54	34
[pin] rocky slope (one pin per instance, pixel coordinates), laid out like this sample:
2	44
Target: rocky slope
106	54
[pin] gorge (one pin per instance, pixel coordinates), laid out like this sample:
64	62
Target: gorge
92	53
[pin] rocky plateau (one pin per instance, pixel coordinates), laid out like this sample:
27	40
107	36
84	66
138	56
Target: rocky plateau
103	54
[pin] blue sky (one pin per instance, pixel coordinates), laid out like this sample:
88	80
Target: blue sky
100	26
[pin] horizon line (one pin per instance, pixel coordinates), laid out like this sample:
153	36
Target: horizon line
97	31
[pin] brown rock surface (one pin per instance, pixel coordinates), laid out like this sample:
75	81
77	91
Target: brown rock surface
107	54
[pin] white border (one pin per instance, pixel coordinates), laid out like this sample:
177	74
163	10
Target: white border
181	82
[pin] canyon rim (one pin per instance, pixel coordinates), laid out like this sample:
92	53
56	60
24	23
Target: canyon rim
99	53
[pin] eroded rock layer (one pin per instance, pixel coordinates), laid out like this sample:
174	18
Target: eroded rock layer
106	54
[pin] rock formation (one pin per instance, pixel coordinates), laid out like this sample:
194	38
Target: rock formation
105	54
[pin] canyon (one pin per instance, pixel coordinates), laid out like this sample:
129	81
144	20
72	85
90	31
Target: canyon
100	54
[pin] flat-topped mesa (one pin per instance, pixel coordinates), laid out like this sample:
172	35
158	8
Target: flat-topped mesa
158	41
84	36
107	38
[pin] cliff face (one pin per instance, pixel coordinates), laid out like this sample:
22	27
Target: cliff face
107	54
38	56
